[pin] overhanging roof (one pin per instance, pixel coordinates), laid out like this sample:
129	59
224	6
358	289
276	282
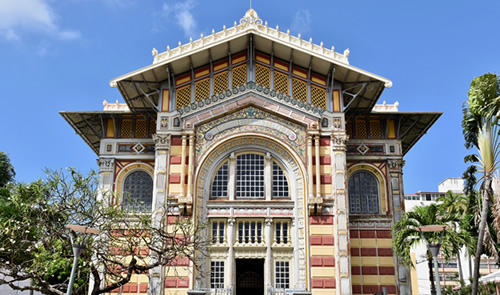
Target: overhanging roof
412	126
90	125
140	88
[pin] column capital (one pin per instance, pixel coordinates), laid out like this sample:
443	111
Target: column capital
162	141
339	141
106	164
395	165
269	221
231	221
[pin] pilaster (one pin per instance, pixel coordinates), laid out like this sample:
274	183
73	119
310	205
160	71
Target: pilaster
341	218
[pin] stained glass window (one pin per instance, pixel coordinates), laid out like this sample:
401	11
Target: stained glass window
138	192
363	193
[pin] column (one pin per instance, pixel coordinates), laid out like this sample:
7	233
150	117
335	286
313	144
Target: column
341	218
318	172
268	176
106	177
396	196
231	189
268	267
183	164
309	168
190	167
231	269
162	152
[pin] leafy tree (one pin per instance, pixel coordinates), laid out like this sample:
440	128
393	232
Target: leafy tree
35	243
6	170
479	128
406	234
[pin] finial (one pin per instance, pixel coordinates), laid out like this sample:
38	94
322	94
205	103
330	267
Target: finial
310	40
168	47
277	28
154	52
347	52
321	44
190	39
333	47
180	44
298	36
266	23
201	35
213	32
224	27
288	32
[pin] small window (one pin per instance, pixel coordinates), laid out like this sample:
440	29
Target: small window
218	232
250	232
138	192
363	193
282	275
280	184
282	231
217	274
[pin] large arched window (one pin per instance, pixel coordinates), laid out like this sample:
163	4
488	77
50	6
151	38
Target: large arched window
363	193
138	192
250	174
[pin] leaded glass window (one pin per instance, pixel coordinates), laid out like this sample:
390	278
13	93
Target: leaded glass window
250	176
138	192
219	184
363	193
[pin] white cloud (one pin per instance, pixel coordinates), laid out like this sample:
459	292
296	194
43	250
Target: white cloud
18	16
301	22
181	12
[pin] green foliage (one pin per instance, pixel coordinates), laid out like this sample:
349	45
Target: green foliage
7	172
484	289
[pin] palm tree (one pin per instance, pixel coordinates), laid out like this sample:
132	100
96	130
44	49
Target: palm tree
479	122
407	235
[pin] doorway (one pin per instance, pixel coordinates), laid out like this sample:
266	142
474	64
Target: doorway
249	276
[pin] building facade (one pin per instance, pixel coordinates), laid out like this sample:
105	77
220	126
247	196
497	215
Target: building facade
276	142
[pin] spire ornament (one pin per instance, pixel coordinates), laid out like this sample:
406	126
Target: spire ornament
251	17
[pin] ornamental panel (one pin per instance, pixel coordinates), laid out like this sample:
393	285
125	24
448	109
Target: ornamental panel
263	75
182	96
299	89
201	89
239	75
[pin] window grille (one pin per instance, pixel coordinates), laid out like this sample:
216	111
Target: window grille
221	82
140	129
281	233
375	129
318	96
280	184
299	89
138	192
363	193
250	176
348	128
361	129
202	89
281	82
126	129
282	275
250	232
219	184
218	232
239	75
262	75
152	127
217	274
182	96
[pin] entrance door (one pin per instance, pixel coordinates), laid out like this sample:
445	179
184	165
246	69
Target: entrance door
249	276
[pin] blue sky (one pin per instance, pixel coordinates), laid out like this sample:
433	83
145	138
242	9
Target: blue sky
60	55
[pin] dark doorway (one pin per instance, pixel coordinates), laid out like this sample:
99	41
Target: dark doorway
249	276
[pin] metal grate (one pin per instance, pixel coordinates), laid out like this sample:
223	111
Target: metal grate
182	96
140	128
219	184
221	82
239	76
375	129
262	75
126	129
202	89
280	184
318	96
281	82
299	89
361	129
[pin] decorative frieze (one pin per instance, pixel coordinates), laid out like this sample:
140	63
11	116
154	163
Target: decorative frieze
162	141
106	164
395	165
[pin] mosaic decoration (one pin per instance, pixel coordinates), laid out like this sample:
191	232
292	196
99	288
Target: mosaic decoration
253	120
